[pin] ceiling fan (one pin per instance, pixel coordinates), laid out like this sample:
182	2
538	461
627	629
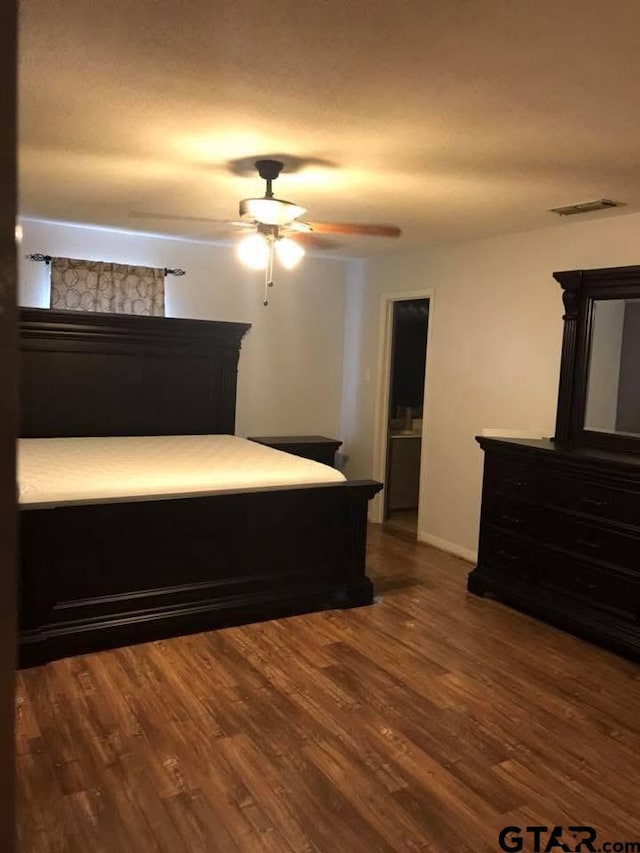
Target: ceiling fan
275	228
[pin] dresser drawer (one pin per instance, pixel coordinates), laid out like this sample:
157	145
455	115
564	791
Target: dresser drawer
598	501
506	553
512	477
603	588
597	543
510	514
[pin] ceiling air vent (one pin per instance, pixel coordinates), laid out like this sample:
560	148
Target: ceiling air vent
587	207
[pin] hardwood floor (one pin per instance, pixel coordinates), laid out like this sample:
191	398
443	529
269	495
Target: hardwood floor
428	721
403	519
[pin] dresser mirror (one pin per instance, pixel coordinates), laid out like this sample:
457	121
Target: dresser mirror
613	386
599	396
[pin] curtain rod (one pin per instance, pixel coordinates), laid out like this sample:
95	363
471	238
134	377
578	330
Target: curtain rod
38	256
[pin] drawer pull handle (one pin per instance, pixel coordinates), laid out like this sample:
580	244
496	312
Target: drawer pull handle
587	543
510	518
593	502
507	556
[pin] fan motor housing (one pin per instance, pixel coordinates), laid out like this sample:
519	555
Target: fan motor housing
269	169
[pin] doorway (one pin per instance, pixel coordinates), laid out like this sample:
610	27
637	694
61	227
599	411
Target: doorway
402	446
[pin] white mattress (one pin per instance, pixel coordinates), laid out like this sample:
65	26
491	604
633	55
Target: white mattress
62	471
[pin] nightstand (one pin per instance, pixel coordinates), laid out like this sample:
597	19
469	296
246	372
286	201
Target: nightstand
315	447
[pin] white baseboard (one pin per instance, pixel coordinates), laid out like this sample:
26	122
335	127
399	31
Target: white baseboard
449	547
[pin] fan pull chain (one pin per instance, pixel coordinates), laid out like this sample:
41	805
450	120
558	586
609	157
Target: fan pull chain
268	275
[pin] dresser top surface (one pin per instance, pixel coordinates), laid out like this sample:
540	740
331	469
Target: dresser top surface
578	454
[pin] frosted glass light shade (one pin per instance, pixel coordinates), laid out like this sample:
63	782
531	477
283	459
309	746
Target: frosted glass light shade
253	251
289	252
270	211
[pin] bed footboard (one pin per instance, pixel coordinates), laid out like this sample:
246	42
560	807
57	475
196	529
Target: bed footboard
104	575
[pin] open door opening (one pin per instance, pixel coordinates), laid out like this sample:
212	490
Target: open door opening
405	411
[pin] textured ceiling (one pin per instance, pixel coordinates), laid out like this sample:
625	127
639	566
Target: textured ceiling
453	119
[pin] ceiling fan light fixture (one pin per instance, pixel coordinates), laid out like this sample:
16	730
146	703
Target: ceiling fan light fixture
289	252
270	211
253	251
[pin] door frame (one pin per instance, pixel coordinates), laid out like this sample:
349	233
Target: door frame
381	411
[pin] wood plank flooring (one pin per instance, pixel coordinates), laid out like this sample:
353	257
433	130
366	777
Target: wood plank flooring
403	519
428	721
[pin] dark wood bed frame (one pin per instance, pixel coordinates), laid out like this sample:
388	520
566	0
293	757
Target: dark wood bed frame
103	575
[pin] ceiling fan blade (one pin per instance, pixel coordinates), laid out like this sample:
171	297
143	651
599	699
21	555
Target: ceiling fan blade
356	228
144	214
311	241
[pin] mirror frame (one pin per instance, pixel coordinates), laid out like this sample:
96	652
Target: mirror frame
580	290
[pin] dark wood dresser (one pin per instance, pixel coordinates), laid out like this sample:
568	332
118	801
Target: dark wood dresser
560	520
316	447
560	537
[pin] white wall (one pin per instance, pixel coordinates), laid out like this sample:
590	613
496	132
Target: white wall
290	376
496	326
353	385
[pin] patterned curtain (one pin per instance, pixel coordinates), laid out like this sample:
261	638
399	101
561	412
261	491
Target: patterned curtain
104	287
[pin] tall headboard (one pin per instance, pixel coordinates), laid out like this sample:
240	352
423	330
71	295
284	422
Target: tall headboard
112	374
